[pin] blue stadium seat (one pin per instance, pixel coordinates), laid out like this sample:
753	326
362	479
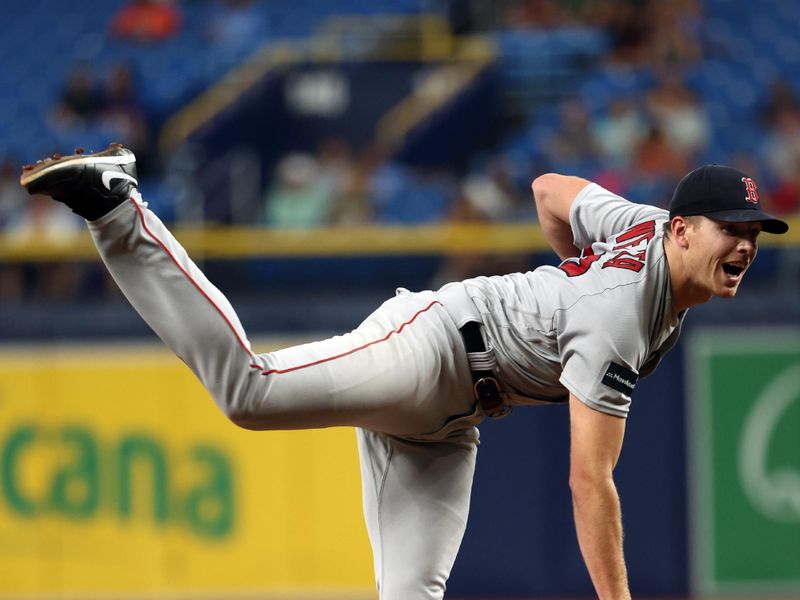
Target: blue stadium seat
56	36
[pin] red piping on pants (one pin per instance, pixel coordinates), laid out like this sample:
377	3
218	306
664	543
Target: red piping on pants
236	333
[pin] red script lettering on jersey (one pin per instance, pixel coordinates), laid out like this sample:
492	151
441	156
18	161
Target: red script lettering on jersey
626	260
635	235
578	266
631	261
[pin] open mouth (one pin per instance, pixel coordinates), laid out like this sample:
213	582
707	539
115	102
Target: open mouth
732	269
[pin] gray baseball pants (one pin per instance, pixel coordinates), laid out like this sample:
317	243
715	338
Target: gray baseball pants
401	377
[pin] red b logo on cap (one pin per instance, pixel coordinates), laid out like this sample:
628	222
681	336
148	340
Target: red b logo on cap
752	191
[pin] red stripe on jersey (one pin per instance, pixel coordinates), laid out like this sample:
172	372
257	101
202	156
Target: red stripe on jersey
193	282
354	350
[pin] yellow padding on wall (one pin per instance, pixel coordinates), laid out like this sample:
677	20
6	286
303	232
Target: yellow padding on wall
119	476
234	243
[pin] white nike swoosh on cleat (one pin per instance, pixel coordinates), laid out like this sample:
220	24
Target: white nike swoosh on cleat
109	176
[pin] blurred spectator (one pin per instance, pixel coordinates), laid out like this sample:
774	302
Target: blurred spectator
146	21
573	144
781	146
628	27
675	37
534	13
782	98
679	115
348	187
484	197
299	197
495	194
109	113
618	132
781	151
481	200
120	94
44	220
655	158
470	16
80	100
12	205
784	197
11	282
357	203
12	196
122	113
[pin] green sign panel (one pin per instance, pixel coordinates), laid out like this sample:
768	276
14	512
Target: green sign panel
744	438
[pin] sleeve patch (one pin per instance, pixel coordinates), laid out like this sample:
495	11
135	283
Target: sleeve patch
619	378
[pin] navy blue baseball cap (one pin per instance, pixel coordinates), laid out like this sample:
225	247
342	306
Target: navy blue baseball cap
724	194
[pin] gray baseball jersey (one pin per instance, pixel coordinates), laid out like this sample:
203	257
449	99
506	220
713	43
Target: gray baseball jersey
593	325
402	377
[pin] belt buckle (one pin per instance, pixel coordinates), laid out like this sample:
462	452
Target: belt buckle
489	396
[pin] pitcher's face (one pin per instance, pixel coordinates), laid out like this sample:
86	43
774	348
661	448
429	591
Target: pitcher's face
719	253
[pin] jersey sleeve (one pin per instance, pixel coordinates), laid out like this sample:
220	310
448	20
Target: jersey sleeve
602	347
597	214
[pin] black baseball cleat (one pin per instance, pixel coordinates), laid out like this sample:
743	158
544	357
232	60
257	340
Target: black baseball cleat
90	184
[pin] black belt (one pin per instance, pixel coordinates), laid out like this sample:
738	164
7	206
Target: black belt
485	388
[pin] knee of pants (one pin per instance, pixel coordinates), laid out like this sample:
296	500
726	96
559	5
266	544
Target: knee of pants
246	421
238	413
243	400
258	403
247	414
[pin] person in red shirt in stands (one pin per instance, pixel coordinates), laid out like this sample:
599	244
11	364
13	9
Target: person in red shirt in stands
147	21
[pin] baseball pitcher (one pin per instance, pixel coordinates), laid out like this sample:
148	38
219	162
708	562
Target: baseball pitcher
420	373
